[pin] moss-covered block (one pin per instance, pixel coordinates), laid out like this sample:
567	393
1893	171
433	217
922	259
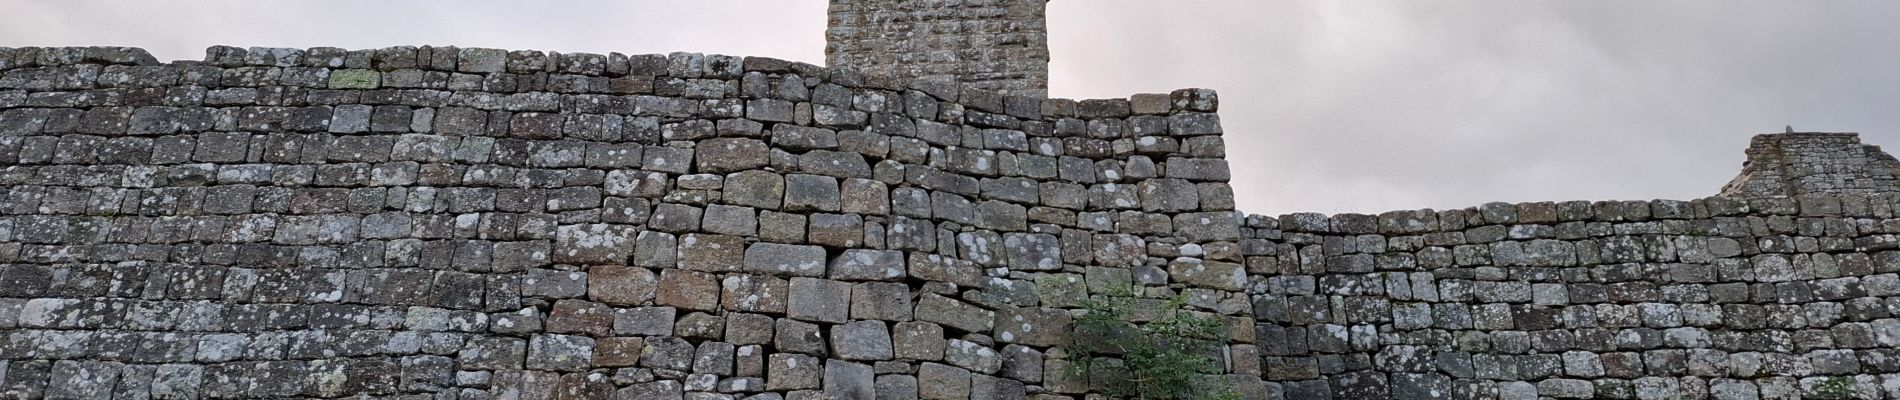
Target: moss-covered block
355	79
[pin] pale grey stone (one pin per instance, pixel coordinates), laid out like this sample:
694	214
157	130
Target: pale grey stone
785	259
861	340
819	300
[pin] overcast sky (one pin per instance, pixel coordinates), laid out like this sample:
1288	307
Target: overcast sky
1331	106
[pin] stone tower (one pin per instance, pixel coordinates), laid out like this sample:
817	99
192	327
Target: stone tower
997	45
1796	164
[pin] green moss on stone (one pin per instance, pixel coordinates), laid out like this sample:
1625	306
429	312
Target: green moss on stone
355	79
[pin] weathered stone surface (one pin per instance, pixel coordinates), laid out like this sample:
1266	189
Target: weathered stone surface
755	293
861	340
593	244
473	223
972	356
819	300
868	265
620	285
795	336
938	381
560	353
786	371
857	43
576	316
618	351
954	314
1033	326
889	301
848	380
644	321
918	340
688	290
711	253
785	259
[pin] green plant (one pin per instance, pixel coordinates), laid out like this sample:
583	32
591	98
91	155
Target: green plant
1174	357
1839	387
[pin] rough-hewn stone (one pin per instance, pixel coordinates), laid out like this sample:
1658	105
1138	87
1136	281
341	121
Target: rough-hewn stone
476	223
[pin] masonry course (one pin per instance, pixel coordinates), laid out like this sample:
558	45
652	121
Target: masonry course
446	223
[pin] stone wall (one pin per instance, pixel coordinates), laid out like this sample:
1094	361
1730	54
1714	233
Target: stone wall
1765	298
434	222
443	223
1796	164
996	45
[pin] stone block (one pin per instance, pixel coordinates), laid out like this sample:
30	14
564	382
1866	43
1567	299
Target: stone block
848	380
785	259
621	285
868	265
942	382
861	340
1042	327
731	220
615	352
688	290
788	371
918	341
955	314
889	301
665	352
593	244
560	353
819	300
576	316
973	356
644	321
755	293
711	253
809	193
724	155
799	337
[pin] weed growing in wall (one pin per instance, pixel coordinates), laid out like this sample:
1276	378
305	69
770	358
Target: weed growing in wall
1175	357
1839	387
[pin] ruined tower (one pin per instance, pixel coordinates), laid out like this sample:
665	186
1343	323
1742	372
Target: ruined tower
1795	164
997	45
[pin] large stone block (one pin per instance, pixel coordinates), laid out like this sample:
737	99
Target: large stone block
942	382
644	321
889	301
868	265
785	259
1042	327
689	290
955	314
755	293
560	353
711	253
861	340
787	371
819	300
593	244
621	285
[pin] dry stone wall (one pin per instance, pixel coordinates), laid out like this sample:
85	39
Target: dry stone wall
1719	298
435	222
444	223
1796	164
995	45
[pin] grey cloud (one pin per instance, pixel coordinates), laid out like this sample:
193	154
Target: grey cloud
1330	106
